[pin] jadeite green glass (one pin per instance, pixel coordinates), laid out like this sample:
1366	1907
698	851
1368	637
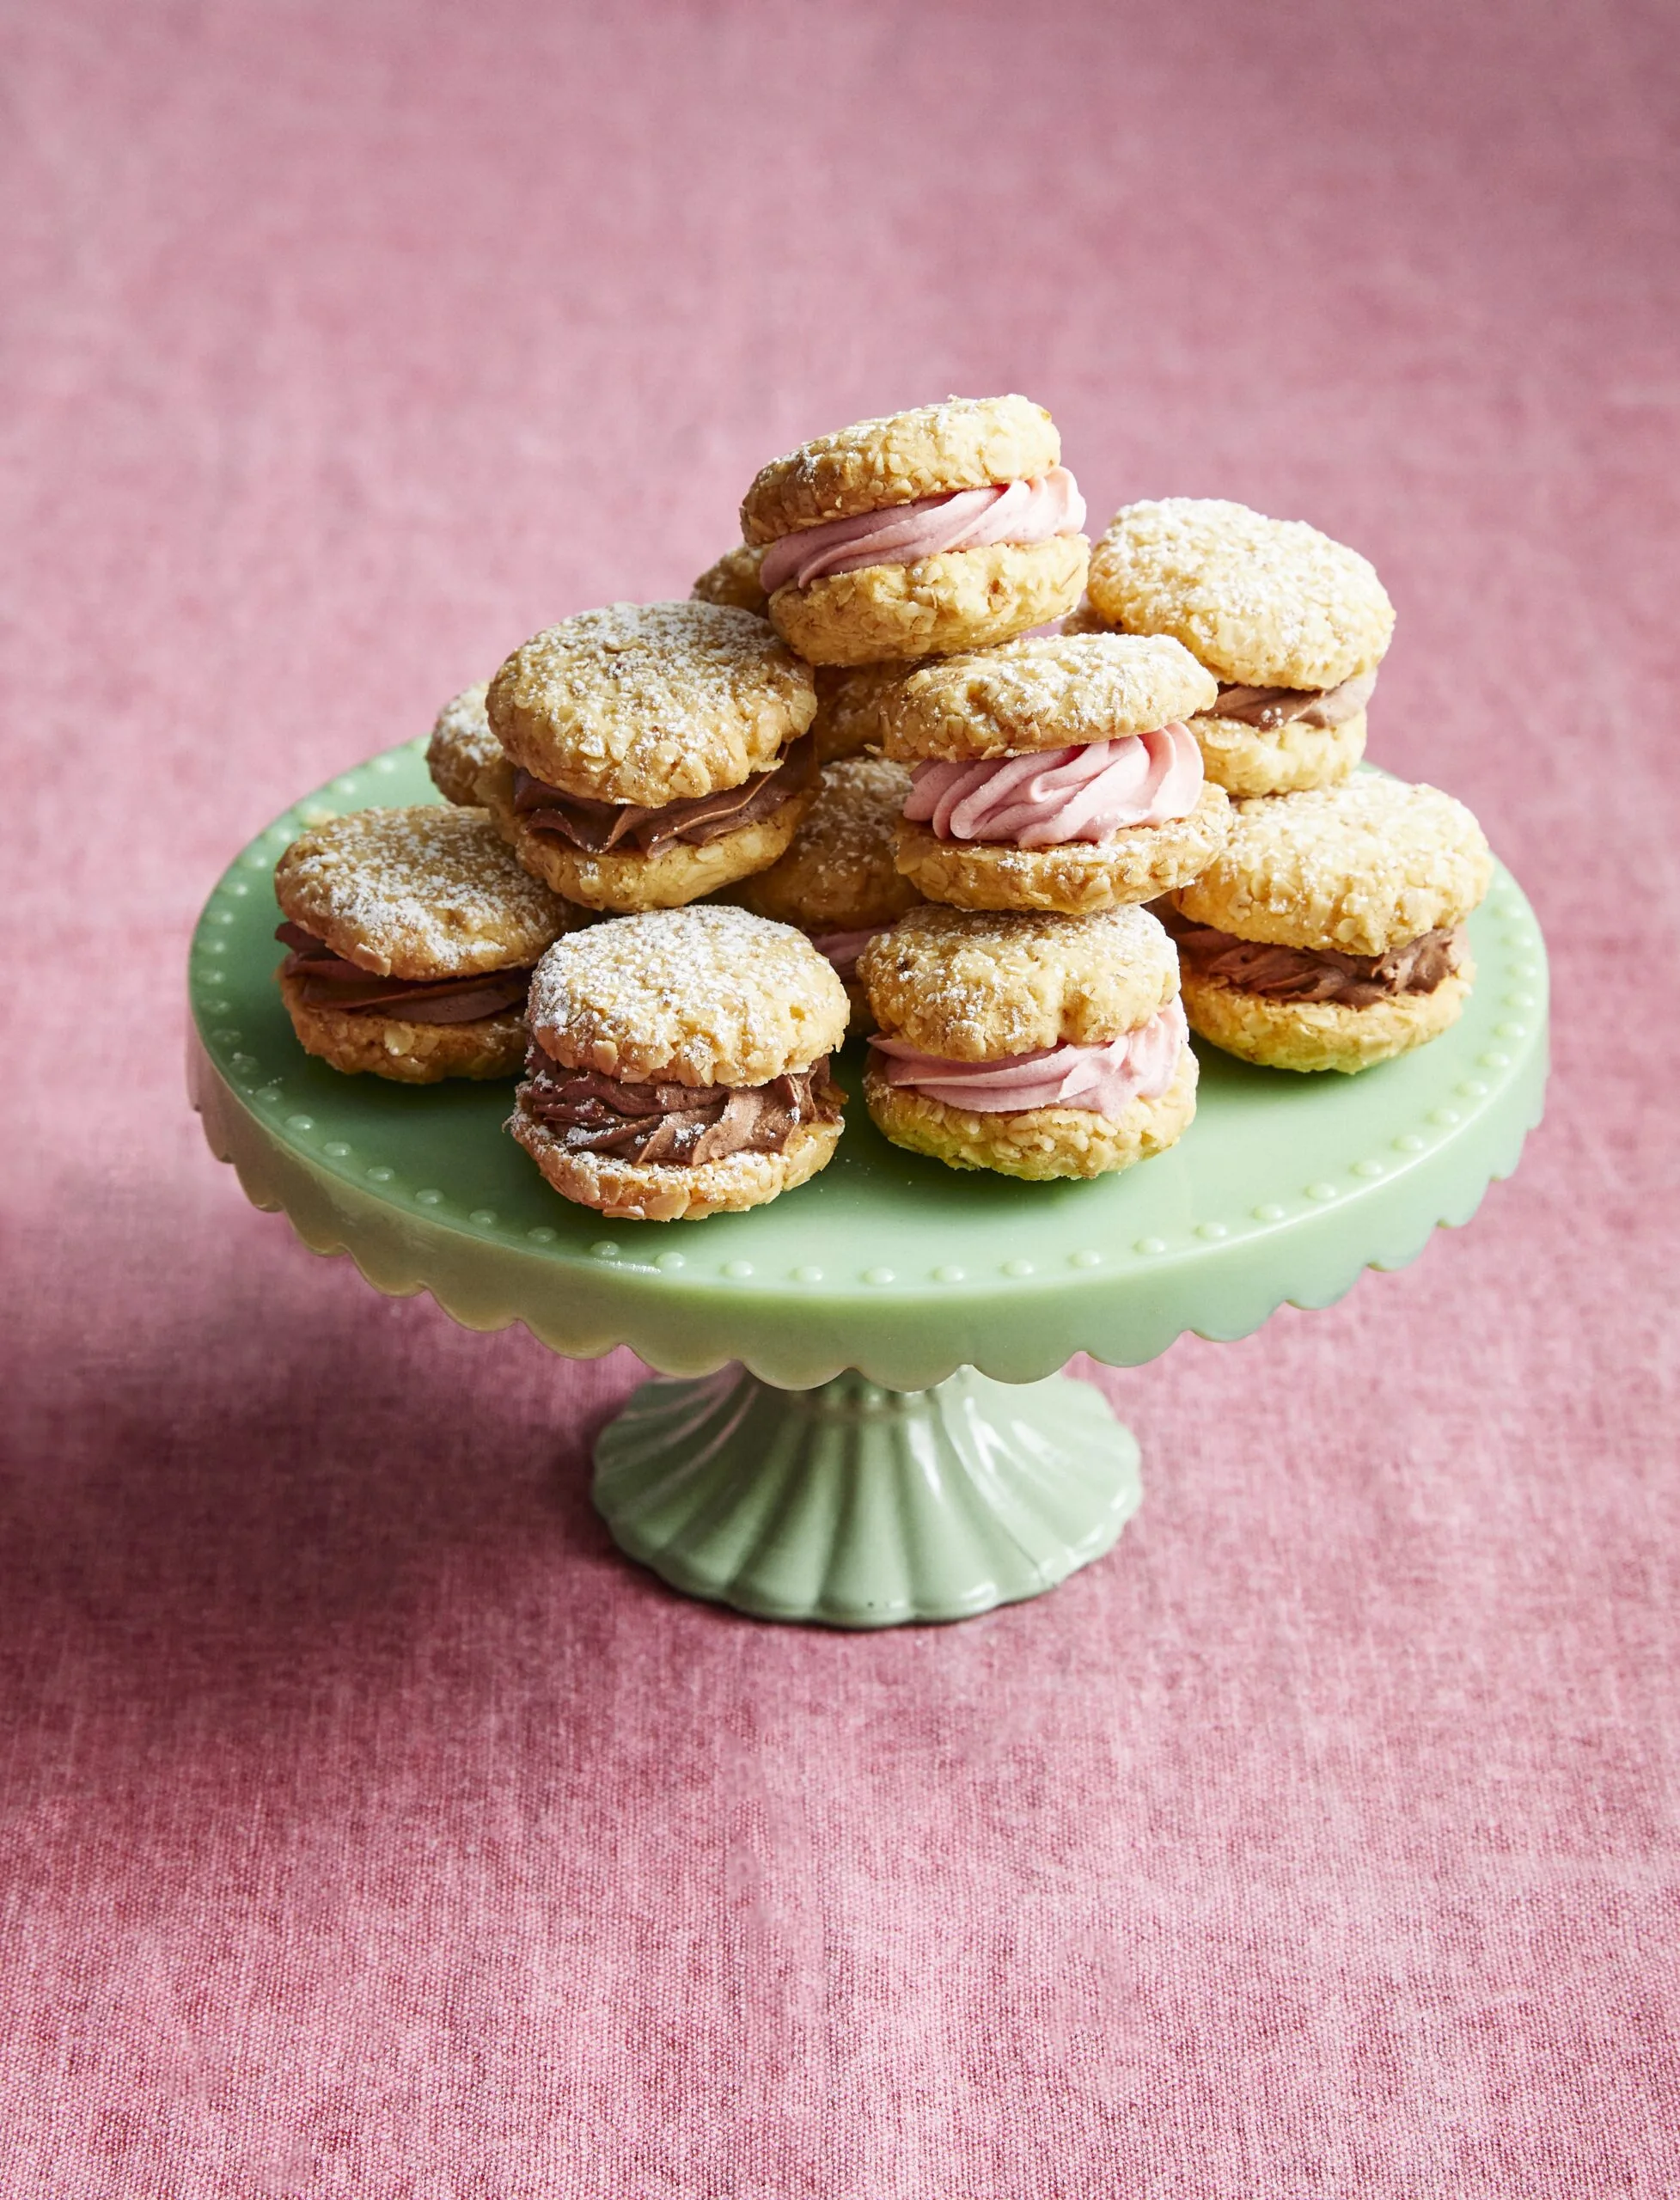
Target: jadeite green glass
864	1507
859	1507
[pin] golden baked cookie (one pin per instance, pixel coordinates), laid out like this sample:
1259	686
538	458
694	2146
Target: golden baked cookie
1362	867
1055	692
932	451
851	701
1036	1143
734	580
1288	759
429	892
839	874
462	746
679	1065
651	1191
960	599
668	878
971	986
396	1048
650	703
1078	877
1260	601
695	996
623	881
1321	1035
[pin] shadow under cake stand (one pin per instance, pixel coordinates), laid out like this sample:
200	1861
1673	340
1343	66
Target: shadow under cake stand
866	1424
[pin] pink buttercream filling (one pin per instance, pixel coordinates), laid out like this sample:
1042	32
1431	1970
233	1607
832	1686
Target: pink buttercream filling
1138	1065
903	534
1059	795
843	948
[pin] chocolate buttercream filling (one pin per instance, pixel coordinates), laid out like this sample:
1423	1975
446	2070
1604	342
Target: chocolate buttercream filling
329	981
595	828
684	1124
1267	708
1306	973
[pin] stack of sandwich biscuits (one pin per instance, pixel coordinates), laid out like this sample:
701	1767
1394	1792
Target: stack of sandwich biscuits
879	772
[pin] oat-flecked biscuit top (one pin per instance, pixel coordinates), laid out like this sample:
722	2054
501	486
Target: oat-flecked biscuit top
651	702
734	580
461	745
1057	692
840	872
966	443
974	986
1269	602
707	995
430	892
1362	867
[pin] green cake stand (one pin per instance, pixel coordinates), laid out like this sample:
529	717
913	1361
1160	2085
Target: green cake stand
858	1419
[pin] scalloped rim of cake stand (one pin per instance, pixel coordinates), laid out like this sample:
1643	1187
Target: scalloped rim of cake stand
584	1285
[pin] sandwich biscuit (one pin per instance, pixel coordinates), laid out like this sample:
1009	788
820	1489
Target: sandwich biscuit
679	1064
412	936
1039	1047
1328	934
653	753
947	527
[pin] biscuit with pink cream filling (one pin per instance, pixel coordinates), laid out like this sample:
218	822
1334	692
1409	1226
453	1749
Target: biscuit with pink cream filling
960	599
966	443
1036	1047
950	526
1043	800
1063	1111
968	519
1103	1079
1115	803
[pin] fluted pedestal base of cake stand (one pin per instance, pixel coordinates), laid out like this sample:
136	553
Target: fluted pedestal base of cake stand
864	1506
868	1426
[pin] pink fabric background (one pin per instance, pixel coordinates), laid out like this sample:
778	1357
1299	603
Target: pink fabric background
370	1827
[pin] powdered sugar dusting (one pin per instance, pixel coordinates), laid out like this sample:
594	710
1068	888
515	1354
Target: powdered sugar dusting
1362	867
427	892
701	996
1056	692
651	702
972	986
1267	600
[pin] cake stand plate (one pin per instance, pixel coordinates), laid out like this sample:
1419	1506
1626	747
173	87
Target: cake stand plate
870	1427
